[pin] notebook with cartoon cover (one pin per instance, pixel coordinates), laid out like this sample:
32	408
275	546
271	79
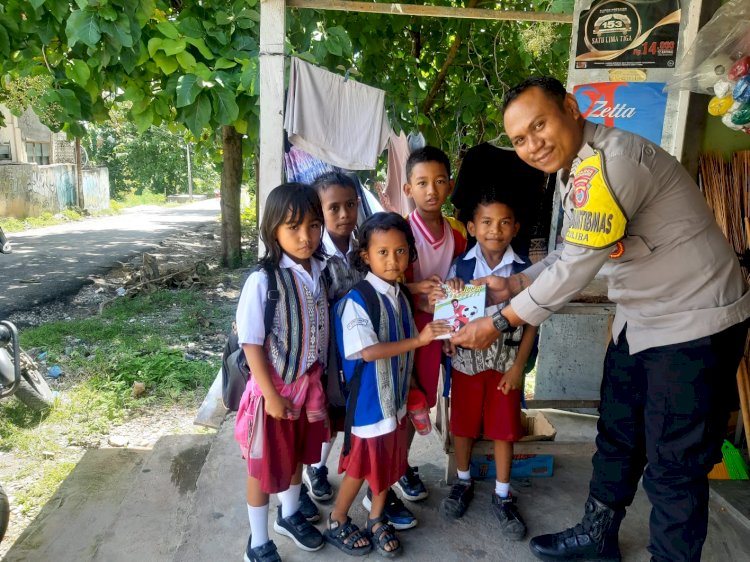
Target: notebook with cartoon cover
460	307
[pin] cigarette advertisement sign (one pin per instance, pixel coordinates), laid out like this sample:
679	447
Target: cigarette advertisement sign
628	34
637	107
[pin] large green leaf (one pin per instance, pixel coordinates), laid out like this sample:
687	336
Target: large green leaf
144	119
168	29
186	61
144	10
197	115
83	26
167	64
173	46
188	88
225	106
223	63
78	71
200	44
191	27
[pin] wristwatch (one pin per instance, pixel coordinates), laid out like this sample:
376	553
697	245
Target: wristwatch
501	323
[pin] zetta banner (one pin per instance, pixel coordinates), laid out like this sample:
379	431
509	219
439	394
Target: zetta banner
637	107
628	34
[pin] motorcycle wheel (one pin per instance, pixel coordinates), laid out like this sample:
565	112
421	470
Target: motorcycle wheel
33	389
4	512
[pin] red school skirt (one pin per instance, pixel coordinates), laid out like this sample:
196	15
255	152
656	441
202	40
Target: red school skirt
380	460
286	443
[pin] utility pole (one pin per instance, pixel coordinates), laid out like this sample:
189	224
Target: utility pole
79	176
190	171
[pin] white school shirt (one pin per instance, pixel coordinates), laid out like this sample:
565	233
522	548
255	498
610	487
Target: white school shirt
482	268
332	250
252	305
358	332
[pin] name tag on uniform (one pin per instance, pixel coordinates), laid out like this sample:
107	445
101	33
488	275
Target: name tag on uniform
598	220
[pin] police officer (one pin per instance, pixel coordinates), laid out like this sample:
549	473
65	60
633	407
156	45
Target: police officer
634	215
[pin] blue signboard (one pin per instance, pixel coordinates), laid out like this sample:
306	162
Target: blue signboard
637	107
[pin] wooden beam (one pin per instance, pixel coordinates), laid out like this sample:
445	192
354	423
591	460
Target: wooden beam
428	11
272	35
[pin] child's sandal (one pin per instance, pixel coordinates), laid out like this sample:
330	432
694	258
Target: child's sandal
345	535
383	535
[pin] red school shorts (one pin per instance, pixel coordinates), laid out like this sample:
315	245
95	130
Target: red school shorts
427	361
478	408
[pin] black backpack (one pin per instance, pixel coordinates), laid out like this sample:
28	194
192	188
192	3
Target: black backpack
234	368
342	390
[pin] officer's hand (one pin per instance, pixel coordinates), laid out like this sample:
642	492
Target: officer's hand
477	334
498	288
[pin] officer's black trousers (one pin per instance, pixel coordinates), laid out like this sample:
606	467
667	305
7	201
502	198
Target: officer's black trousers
663	415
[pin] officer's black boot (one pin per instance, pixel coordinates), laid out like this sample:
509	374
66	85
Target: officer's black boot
594	538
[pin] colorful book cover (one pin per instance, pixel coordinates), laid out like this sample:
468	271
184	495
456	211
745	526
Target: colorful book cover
460	307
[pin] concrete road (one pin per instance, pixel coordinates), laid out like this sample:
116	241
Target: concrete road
53	262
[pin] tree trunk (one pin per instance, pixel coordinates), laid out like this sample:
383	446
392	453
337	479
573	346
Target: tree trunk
231	182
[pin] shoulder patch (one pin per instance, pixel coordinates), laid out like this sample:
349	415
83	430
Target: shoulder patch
598	220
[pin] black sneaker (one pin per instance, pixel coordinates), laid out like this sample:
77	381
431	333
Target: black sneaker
459	498
307	507
264	553
395	510
317	482
411	485
511	522
299	529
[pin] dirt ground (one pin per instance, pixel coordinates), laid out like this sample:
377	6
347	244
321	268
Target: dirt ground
144	427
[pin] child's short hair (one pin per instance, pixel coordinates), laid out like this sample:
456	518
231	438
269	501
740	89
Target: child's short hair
295	198
383	222
328	179
427	154
490	195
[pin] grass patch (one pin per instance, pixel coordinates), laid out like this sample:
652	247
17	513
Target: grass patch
133	199
142	339
45	486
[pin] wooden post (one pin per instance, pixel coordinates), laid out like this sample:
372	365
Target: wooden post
272	30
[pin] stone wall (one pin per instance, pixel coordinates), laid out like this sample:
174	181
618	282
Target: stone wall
29	189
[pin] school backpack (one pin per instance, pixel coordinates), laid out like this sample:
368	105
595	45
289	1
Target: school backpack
351	390
234	368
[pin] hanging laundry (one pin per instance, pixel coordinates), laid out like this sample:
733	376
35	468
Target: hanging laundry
398	153
340	121
304	167
486	167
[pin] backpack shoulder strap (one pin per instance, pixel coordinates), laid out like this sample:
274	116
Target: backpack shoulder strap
465	268
372	303
519	267
272	296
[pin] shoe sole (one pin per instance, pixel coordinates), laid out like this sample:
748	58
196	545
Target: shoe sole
310	492
407	497
282	531
550	558
367	504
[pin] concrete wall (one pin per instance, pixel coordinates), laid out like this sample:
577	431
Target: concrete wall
29	189
96	188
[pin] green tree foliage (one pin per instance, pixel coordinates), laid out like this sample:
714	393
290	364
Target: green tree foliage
155	160
195	62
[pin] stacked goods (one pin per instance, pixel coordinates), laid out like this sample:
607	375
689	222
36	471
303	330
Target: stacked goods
725	186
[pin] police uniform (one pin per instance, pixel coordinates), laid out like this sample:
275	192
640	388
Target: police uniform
633	214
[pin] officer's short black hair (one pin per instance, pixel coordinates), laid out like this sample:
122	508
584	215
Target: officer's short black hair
551	87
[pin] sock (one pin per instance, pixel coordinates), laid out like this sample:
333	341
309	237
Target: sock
464	474
289	500
258	517
325	450
502	489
